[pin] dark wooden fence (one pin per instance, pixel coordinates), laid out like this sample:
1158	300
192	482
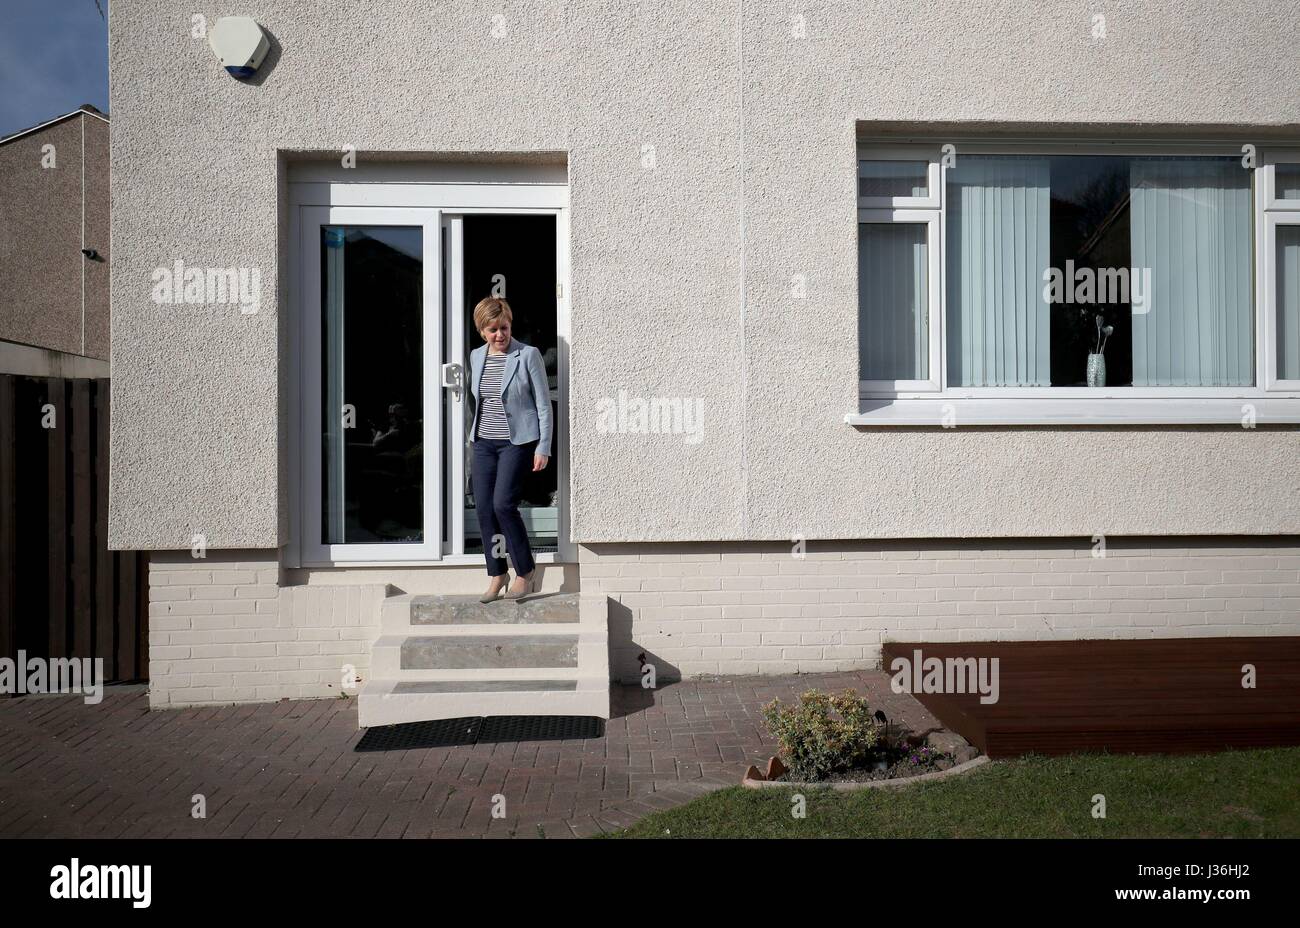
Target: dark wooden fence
62	592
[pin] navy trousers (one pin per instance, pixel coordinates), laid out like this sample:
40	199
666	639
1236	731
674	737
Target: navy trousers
497	470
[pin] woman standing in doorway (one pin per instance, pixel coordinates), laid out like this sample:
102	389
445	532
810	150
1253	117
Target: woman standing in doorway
510	430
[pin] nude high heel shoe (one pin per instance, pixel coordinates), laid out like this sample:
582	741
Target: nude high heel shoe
485	598
529	589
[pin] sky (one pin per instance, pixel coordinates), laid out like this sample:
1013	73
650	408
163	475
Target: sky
53	58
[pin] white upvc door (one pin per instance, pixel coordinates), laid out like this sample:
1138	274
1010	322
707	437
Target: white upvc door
371	400
455	380
379	446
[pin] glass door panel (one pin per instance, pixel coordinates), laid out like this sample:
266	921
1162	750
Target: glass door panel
372	415
372	405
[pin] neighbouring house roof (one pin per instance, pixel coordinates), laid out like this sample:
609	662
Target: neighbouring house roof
84	110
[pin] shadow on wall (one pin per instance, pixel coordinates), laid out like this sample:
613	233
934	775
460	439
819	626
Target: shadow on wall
269	62
629	659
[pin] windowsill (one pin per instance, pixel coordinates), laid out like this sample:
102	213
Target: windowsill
951	412
448	560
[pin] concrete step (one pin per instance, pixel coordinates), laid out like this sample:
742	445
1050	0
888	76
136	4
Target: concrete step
484	686
467	610
393	702
447	652
408	613
441	657
394	655
475	674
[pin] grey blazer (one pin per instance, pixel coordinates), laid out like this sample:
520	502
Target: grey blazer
524	394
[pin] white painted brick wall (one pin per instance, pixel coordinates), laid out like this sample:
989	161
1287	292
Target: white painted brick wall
736	608
222	629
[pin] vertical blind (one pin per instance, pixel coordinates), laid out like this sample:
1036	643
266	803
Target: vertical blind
893	301
1191	225
998	248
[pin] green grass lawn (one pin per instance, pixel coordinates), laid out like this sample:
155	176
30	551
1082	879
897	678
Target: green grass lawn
1240	794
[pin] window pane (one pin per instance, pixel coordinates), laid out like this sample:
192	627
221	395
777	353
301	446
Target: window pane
372	406
1095	270
998	245
893	301
1286	181
1192	238
892	178
1288	302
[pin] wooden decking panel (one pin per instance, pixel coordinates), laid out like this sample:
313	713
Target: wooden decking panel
1148	696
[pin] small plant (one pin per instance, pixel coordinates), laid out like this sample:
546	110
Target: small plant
824	733
923	756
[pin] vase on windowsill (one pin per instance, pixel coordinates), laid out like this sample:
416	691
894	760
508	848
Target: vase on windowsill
1097	359
1096	369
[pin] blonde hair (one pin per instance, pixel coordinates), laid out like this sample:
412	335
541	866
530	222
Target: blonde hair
490	309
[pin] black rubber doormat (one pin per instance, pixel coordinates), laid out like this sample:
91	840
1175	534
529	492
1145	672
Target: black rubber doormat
494	729
440	733
500	728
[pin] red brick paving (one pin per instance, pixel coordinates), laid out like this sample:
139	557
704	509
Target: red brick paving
288	769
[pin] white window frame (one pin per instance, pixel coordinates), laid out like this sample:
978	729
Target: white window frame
1269	160
933	177
429	221
1268	286
1266	401
454	190
933	231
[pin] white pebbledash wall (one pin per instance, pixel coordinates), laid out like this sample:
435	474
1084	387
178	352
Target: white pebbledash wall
711	150
696	609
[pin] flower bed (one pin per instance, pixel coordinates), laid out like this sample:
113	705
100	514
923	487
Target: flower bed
835	738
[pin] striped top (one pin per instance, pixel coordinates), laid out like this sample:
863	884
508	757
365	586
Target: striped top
491	414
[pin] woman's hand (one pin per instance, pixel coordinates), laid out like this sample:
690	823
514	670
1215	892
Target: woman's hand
539	462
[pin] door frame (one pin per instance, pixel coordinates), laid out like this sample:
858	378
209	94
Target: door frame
429	221
441	191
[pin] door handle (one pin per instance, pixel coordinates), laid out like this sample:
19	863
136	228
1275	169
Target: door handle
453	377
